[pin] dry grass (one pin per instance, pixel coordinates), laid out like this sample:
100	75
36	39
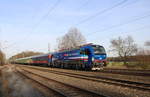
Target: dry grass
129	65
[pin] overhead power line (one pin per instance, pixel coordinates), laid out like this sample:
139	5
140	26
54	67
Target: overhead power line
43	17
135	30
36	25
121	24
101	12
47	14
83	5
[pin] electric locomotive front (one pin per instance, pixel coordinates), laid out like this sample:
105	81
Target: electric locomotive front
99	57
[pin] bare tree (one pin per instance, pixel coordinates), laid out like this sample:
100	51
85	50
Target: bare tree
142	51
124	47
147	43
2	58
143	57
71	39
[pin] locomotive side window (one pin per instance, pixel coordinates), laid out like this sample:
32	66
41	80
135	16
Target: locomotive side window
84	52
87	52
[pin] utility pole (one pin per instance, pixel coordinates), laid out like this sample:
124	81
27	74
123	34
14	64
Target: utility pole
23	55
49	47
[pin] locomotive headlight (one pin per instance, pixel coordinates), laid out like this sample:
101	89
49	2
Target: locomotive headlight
92	59
100	58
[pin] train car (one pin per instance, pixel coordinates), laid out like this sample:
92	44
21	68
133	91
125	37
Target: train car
25	60
89	57
34	60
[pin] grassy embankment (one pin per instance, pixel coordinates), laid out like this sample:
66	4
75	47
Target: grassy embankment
129	65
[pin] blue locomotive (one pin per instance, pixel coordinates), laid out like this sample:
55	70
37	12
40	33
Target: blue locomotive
89	57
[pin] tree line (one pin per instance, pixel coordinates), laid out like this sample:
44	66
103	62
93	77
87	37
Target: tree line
25	54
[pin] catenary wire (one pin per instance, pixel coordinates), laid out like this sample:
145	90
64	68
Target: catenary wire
101	12
121	24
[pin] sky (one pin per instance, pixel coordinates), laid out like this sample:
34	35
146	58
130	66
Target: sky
29	25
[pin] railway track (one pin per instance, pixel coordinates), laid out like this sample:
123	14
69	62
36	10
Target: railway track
43	85
2	67
123	83
127	72
66	91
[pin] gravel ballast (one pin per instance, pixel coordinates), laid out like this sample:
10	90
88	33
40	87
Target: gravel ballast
103	88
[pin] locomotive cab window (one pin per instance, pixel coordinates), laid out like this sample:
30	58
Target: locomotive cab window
98	50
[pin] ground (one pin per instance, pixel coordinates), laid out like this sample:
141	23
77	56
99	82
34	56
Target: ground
12	85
